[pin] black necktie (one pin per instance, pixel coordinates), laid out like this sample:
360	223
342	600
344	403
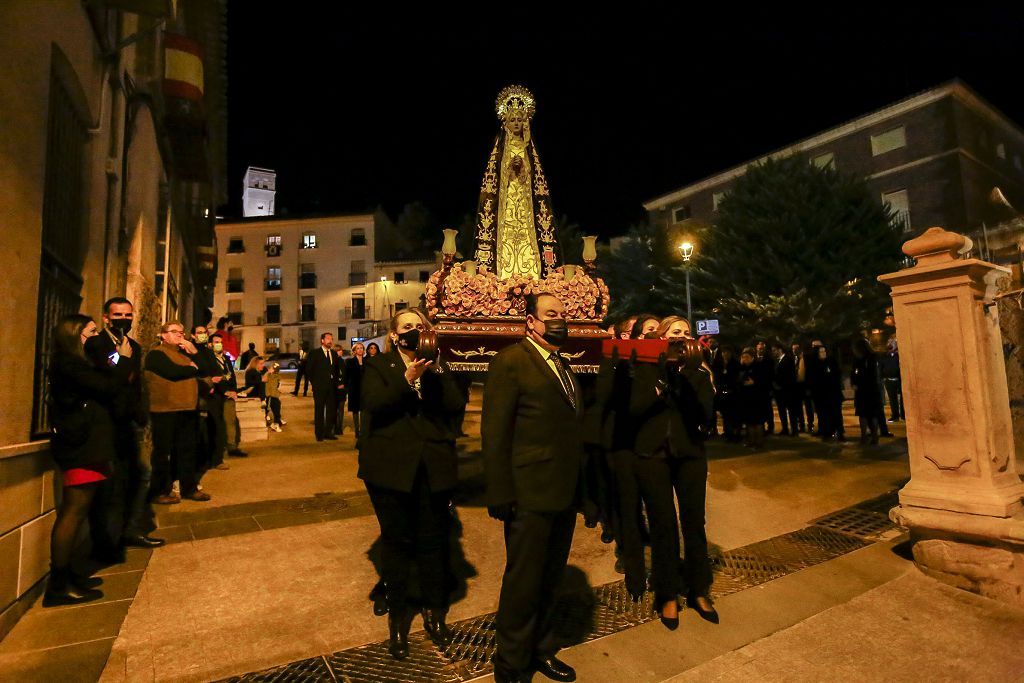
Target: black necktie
563	377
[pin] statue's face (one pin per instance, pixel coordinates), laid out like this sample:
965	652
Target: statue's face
516	123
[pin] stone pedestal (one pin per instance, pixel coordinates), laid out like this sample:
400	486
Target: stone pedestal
959	433
251	420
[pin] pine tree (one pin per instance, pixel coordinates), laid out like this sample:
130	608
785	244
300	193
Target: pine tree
643	274
795	251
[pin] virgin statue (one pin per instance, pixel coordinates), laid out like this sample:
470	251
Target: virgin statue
515	232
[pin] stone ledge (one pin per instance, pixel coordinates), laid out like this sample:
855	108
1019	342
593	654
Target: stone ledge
28	448
959	524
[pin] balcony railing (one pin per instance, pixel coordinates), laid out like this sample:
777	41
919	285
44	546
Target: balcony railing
235	286
271	285
308	314
235	317
273	316
356	279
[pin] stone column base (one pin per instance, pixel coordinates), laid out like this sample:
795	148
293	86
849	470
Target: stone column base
984	555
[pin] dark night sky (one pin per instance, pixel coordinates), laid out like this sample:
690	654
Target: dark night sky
359	111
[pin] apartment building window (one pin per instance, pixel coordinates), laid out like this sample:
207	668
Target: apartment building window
359	306
236	283
272	340
1001	150
681	213
357	274
401	306
235	311
309	241
424	275
307	276
894	138
716	199
236	245
826	160
399	276
273	240
272	315
898	202
273	278
358	238
308	313
342	333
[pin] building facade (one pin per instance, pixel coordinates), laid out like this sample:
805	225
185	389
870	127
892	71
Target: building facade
112	158
286	281
935	158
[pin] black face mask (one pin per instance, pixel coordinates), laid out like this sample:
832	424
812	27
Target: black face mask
556	331
121	325
409	339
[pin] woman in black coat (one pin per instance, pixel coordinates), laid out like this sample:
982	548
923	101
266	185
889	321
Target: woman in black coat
254	379
670	410
751	391
82	402
354	382
408	461
827	390
867	390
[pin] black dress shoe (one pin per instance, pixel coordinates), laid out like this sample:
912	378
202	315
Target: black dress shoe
671	623
143	541
238	453
555	669
435	626
707	615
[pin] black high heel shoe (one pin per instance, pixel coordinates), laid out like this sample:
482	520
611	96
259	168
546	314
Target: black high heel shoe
707	615
671	623
398	629
435	626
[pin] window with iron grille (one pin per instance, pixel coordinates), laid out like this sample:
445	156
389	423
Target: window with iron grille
358	238
60	278
358	306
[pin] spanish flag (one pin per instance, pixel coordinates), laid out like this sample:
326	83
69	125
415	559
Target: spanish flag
183	67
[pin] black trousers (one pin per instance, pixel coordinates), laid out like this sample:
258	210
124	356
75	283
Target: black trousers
795	408
274	406
537	549
325	412
119	507
215	408
174	452
663	481
339	417
894	390
804	395
414	530
628	533
600	500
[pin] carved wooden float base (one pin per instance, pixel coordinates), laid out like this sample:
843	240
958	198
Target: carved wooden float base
469	344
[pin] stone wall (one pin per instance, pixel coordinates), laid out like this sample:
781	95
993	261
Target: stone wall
26	518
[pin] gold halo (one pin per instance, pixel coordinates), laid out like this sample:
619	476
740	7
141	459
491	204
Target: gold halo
515	97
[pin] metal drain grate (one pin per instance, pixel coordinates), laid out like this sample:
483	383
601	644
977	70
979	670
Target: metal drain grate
868	520
315	669
594	613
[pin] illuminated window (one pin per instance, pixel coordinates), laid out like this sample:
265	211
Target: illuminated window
888	141
309	241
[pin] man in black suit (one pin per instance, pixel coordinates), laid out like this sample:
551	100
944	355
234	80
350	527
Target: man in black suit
783	388
323	369
533	455
119	512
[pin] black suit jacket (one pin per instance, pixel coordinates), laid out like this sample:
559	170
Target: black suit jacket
532	435
129	371
403	431
323	375
678	417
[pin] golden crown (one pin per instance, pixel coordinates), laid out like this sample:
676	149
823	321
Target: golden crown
515	98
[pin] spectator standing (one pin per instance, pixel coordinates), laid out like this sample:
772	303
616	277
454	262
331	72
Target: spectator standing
225	393
801	396
174	391
726	377
247	356
272	389
867	390
765	367
121	511
751	391
83	444
890	369
300	374
827	390
339	418
354	381
324	375
784	388
225	327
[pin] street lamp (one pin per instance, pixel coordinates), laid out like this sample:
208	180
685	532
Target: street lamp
686	249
